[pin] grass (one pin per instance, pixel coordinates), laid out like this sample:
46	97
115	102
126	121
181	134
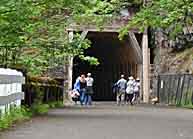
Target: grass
22	113
56	104
15	115
186	101
40	109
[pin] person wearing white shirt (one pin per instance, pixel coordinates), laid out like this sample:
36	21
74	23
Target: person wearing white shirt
130	90
89	89
121	84
136	90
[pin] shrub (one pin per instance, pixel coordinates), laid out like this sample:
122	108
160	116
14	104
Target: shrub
40	109
186	100
59	104
15	114
56	104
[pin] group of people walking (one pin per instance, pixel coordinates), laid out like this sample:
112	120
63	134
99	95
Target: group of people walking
83	90
127	91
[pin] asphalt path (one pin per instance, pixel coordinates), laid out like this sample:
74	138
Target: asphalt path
107	121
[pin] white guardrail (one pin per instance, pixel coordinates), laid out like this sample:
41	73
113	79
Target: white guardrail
10	89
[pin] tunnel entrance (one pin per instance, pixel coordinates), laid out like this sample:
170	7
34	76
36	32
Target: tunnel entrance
116	57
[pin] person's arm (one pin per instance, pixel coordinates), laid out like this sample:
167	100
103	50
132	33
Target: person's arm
127	83
92	80
77	85
118	82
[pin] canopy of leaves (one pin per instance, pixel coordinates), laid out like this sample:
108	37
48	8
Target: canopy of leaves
171	16
32	32
33	35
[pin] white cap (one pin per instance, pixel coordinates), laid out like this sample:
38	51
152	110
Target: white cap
131	78
89	74
122	76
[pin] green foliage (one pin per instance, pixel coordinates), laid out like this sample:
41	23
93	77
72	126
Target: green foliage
186	100
111	7
32	33
59	104
52	104
103	7
56	104
172	16
16	114
91	60
39	95
103	12
39	108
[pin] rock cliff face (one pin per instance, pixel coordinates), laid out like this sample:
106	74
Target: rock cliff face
169	58
168	61
182	62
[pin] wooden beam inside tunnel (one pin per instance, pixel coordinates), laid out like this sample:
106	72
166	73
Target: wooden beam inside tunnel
136	46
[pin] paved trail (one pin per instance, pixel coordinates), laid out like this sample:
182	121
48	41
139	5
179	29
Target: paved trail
108	122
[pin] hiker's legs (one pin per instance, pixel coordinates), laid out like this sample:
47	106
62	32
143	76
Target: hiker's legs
118	97
89	100
137	97
86	99
127	98
82	97
134	98
130	98
122	97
